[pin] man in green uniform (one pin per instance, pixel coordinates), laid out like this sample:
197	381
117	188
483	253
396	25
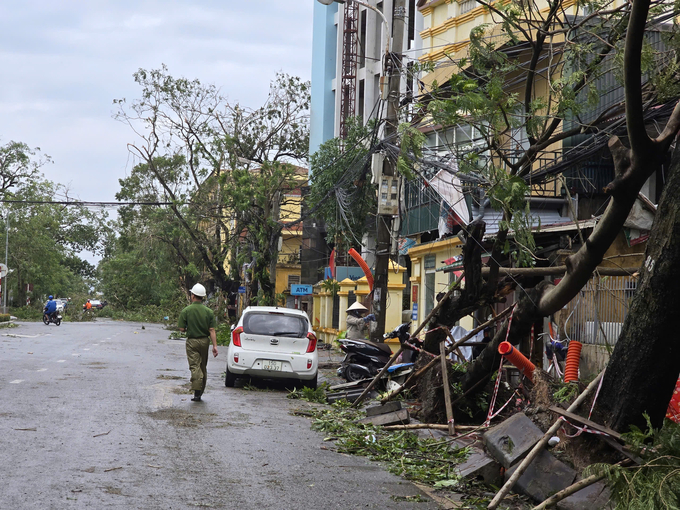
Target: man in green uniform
199	323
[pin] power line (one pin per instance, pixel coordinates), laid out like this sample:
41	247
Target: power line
85	203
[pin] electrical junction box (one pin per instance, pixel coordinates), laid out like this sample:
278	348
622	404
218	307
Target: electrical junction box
388	195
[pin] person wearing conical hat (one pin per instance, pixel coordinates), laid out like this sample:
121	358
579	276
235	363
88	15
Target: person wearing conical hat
358	321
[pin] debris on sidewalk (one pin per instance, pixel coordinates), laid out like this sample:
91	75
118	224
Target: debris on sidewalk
399	417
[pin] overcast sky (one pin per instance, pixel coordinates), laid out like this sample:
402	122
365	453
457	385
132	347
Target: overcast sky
64	62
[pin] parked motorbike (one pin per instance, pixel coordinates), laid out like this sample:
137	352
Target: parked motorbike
53	318
364	359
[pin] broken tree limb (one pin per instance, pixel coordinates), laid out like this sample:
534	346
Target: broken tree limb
574	488
585	421
557	271
433	426
540	445
447	388
401	349
564	493
416	375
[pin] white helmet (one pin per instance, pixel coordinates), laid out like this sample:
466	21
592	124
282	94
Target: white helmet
198	290
357	306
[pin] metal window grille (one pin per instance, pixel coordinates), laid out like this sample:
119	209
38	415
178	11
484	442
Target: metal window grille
293	279
467	6
597	314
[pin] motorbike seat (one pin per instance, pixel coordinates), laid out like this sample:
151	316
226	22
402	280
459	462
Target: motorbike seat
383	347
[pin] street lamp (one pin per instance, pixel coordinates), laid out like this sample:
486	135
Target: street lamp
387	35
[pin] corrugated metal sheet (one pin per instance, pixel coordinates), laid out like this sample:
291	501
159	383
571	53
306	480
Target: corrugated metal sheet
542	217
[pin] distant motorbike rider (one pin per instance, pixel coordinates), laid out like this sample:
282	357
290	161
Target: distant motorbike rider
358	322
50	307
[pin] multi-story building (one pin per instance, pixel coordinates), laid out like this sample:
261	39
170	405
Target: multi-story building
347	62
572	172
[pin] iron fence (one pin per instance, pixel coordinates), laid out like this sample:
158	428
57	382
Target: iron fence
596	315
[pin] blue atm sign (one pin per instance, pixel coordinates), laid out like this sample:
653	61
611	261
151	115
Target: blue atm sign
300	290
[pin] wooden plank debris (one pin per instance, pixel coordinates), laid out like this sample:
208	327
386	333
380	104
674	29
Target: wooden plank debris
445	382
587	422
433	426
400	417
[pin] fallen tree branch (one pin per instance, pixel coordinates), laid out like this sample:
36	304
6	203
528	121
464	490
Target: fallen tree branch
574	488
564	493
416	375
434	426
401	349
559	270
540	445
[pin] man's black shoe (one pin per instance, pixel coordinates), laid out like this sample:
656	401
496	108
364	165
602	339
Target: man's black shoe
197	396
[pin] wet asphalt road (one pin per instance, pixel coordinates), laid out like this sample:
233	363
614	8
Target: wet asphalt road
98	415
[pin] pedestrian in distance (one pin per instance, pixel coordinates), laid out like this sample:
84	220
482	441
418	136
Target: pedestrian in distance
357	324
199	323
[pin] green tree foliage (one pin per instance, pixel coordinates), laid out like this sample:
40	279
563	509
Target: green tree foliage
522	109
45	241
18	164
223	168
655	483
341	192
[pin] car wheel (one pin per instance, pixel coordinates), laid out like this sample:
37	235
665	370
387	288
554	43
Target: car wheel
311	383
352	374
229	378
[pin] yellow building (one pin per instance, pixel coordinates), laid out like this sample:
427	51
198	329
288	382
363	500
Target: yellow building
287	210
325	303
288	268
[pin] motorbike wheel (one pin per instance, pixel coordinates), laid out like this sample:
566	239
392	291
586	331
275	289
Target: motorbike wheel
46	320
57	322
352	374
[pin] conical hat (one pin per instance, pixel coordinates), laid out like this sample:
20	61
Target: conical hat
357	306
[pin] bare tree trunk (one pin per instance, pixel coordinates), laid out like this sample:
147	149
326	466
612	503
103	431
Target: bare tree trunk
645	364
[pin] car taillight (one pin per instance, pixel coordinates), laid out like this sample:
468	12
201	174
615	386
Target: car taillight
309	364
236	336
236	357
311	347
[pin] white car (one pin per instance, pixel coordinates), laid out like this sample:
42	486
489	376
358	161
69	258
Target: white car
273	343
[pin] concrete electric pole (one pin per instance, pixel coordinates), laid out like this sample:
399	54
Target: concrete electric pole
388	187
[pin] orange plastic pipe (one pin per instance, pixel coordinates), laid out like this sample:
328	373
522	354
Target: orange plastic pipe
573	361
518	359
362	263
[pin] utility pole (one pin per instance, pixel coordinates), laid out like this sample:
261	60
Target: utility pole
387	188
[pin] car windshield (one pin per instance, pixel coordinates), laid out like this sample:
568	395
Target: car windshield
276	324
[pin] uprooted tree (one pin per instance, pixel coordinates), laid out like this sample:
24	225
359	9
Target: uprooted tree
220	170
496	90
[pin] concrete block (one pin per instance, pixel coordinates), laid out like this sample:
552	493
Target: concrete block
400	417
593	497
480	466
511	440
544	477
388	407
